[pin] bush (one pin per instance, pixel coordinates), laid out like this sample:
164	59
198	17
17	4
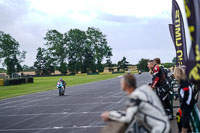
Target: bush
118	72
168	65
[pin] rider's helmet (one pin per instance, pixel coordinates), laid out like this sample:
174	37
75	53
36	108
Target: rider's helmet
60	79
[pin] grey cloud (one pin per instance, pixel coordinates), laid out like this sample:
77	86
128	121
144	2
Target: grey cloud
136	40
120	19
128	36
12	11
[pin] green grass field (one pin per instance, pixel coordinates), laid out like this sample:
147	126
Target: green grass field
49	83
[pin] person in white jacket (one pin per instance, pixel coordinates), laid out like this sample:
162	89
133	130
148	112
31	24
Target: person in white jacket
143	106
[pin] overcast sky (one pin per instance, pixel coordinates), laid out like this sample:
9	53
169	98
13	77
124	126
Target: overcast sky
134	28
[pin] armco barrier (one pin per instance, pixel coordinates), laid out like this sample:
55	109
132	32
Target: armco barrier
114	127
120	127
6	83
30	80
18	81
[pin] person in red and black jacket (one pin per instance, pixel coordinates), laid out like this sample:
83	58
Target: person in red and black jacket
186	97
161	87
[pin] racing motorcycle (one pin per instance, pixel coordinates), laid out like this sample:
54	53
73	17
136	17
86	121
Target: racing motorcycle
61	89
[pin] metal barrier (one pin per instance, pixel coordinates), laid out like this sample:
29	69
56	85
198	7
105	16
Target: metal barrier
119	127
114	127
195	119
18	81
173	95
135	128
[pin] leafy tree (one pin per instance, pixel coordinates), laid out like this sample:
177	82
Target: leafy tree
31	68
168	65
142	65
39	64
10	54
123	64
76	49
2	70
109	64
27	68
98	44
115	65
44	62
89	61
174	60
57	48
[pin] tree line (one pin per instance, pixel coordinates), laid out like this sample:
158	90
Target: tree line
70	52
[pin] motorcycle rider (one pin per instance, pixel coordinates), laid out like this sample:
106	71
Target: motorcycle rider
161	87
143	106
164	70
63	82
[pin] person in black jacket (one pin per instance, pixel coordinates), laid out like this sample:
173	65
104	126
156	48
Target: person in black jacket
185	96
160	85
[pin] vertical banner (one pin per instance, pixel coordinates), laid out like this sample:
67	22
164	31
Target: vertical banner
171	30
192	8
178	35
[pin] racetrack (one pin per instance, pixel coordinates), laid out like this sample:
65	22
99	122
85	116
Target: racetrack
76	112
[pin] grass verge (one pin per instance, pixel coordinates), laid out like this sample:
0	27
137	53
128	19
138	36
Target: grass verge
49	83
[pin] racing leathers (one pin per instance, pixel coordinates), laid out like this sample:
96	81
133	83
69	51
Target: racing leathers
186	101
159	83
158	77
64	83
145	107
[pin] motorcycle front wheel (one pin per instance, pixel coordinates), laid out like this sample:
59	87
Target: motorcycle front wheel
60	92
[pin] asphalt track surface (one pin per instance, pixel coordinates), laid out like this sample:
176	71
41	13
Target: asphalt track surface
76	112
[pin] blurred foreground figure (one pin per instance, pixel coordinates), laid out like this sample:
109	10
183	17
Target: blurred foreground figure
144	106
